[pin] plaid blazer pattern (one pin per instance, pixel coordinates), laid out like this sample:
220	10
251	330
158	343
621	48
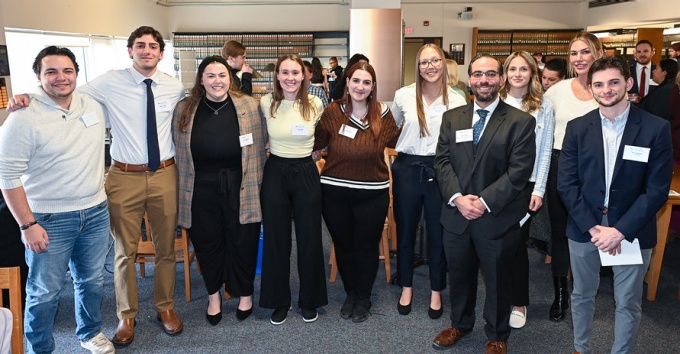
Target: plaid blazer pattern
253	157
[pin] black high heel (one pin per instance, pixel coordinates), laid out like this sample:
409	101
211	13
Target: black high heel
242	315
214	319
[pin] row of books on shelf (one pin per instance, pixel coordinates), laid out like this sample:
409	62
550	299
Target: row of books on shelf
525	37
248	40
252	52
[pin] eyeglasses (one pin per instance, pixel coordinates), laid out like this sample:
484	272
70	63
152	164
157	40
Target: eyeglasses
491	74
424	64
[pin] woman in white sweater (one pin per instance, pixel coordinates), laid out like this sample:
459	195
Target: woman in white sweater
571	99
522	90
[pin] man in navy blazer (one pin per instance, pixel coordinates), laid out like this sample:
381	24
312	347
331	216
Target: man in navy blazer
614	174
484	159
644	51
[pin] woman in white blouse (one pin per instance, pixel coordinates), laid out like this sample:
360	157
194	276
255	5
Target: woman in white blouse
418	110
522	89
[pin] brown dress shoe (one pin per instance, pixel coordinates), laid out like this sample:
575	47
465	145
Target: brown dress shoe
496	348
171	323
125	332
447	338
575	352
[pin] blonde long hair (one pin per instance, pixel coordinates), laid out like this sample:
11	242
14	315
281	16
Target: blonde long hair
420	110
534	98
593	44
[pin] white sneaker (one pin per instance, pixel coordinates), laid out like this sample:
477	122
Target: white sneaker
99	344
518	319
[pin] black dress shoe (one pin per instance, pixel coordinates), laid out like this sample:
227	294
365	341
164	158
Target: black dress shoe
435	314
404	309
561	302
348	307
361	310
214	319
242	315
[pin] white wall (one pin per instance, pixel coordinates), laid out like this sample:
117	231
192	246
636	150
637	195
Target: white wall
107	17
258	18
640	11
444	21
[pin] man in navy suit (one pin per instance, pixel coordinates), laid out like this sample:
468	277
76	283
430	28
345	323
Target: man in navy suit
484	158
614	174
641	68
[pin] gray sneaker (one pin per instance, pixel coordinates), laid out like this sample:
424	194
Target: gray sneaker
99	344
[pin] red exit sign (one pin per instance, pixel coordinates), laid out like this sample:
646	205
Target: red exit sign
408	30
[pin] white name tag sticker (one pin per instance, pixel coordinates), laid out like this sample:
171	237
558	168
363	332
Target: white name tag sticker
636	153
163	106
246	139
300	129
464	135
437	111
346	130
90	119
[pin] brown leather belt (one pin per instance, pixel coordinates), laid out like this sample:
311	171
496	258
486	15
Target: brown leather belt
126	167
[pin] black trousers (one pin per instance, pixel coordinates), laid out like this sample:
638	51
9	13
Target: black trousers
520	263
355	220
225	248
559	246
414	188
12	250
291	186
465	253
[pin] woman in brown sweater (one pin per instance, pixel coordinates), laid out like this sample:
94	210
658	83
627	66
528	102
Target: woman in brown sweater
355	183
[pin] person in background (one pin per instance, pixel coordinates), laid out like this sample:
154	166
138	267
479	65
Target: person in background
658	102
355	183
418	110
630	152
319	77
52	178
339	88
311	89
291	187
538	57
554	71
641	71
674	52
12	252
235	54
522	90
675	118
452	79
484	158
570	98
334	74
219	135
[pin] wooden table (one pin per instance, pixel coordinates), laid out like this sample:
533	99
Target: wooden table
663	219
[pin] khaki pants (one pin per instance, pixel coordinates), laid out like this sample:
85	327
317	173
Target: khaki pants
130	195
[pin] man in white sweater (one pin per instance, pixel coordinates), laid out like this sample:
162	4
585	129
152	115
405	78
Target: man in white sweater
52	178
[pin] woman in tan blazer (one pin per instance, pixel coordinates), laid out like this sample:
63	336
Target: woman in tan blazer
220	136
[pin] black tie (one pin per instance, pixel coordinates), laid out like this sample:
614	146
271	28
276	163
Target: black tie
151	130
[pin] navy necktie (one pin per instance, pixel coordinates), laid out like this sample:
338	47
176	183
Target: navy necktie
151	130
479	125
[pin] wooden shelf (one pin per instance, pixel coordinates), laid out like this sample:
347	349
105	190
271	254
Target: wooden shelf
501	43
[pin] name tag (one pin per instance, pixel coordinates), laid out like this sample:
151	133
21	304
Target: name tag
300	129
464	135
163	106
348	131
90	119
636	153
246	139
437	111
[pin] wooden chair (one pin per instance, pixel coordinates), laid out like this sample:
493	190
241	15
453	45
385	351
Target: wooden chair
389	233
10	279
146	253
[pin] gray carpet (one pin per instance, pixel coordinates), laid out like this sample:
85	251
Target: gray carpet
385	332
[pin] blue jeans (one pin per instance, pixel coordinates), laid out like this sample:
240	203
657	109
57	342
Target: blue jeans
78	240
